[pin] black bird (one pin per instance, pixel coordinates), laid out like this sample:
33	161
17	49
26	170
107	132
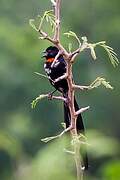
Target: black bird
53	72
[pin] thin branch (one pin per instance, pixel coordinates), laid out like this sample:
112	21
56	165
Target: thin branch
70	152
77	51
56	97
78	161
56	57
59	98
46	36
71	92
61	77
47	139
42	75
80	87
82	110
42	96
57	20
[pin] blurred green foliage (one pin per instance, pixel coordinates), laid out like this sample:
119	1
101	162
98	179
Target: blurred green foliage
22	154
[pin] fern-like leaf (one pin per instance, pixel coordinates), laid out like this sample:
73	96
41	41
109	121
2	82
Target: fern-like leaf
73	34
100	81
110	51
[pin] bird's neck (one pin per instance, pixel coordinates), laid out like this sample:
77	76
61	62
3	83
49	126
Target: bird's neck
50	60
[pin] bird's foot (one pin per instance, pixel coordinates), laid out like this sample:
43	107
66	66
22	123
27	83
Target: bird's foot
67	100
50	94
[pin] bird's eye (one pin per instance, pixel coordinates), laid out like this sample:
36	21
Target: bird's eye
49	51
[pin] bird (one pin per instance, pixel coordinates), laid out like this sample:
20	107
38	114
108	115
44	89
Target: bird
54	71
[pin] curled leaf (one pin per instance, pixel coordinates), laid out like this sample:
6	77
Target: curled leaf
63	125
84	38
92	49
35	101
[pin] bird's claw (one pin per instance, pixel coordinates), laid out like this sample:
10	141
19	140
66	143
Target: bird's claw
67	100
50	96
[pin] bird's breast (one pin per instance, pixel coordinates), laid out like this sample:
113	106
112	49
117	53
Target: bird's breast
55	71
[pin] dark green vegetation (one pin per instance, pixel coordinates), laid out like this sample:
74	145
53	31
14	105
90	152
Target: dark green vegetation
22	154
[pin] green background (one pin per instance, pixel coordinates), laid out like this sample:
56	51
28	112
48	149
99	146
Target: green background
22	154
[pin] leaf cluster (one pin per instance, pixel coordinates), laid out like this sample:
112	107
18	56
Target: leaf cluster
109	50
48	16
100	81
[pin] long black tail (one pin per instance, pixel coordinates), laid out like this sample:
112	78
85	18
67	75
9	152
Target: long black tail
80	128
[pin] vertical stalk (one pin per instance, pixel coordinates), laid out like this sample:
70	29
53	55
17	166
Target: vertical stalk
78	160
69	76
73	131
71	93
57	21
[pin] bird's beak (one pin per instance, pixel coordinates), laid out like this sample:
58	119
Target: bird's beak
44	54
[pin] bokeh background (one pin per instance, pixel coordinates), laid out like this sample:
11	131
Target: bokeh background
22	154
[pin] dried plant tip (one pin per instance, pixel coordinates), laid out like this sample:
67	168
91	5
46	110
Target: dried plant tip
53	2
63	125
92	49
84	38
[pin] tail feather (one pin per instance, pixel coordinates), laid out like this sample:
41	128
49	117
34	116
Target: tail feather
80	128
66	115
79	123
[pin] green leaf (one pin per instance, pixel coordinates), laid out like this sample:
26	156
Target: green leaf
110	51
31	23
70	47
35	101
107	84
84	38
63	125
73	34
47	16
92	49
100	81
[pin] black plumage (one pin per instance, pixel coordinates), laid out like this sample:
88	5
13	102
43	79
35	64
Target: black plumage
54	72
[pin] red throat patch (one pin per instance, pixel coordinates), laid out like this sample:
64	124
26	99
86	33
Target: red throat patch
50	60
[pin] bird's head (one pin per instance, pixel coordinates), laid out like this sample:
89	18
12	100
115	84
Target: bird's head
50	52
